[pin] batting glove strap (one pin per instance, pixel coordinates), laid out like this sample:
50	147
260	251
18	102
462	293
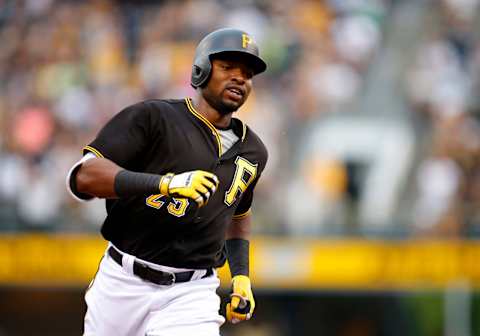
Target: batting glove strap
164	183
241	304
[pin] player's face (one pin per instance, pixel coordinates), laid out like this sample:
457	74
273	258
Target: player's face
229	85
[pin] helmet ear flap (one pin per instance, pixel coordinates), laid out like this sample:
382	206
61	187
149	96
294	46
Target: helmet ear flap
196	76
197	71
200	74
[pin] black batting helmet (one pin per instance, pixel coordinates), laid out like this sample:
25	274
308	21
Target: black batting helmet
224	40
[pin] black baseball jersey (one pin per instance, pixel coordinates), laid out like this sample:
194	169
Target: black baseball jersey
163	136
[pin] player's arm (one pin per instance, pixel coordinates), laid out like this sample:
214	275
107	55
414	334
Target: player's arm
242	303
237	240
122	140
100	177
96	177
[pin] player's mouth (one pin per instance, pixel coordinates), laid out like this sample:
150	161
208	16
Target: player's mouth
235	92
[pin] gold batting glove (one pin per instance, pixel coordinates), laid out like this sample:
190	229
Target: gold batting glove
241	304
197	185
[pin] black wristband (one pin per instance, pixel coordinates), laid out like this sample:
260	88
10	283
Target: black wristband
128	183
238	258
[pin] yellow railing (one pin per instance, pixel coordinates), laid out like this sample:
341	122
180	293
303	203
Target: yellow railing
72	260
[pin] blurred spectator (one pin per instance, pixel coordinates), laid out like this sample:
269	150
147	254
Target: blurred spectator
441	87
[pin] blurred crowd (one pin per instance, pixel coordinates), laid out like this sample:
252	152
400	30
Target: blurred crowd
66	67
443	89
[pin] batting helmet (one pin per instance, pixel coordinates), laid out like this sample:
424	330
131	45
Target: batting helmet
224	40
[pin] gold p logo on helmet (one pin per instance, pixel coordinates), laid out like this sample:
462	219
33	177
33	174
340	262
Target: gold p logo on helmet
246	40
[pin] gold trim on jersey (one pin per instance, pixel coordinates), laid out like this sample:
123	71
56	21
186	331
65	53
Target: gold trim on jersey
94	151
244	131
242	215
206	122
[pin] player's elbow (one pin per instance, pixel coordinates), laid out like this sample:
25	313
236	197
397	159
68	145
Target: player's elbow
96	178
84	181
89	177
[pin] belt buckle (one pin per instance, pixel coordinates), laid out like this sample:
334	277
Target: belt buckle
152	275
172	280
163	281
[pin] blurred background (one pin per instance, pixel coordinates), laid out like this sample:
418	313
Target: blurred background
368	214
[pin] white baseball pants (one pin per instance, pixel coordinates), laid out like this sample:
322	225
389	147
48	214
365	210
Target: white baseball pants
122	304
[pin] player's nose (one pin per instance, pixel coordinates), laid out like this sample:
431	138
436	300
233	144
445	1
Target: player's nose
239	75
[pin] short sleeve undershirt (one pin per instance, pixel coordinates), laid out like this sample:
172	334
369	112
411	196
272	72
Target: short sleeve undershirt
228	139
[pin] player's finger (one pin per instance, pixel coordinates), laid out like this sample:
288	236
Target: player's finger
207	179
197	197
235	318
204	192
230	313
232	316
212	177
235	301
210	185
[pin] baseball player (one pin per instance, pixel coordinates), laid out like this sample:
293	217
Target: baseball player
178	177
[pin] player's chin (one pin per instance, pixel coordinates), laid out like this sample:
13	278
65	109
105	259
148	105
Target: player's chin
233	104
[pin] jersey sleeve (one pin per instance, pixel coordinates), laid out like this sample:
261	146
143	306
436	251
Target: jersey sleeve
124	137
70	180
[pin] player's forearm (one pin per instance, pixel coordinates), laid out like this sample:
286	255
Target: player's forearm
240	228
103	178
238	246
96	177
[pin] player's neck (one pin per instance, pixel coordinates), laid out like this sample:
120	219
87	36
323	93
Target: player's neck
211	114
